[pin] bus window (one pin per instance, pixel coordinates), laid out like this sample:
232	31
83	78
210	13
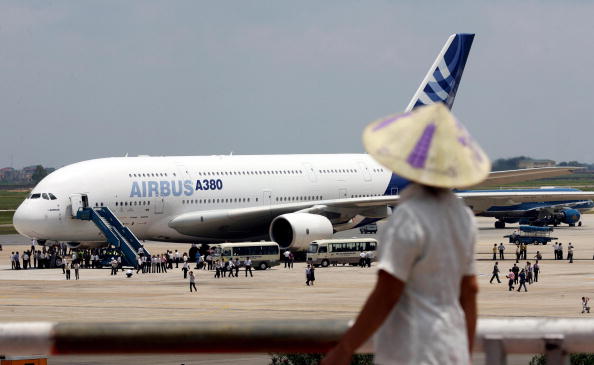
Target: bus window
313	248
227	252
323	249
269	250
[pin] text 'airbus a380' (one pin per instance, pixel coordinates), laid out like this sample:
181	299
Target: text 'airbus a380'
290	199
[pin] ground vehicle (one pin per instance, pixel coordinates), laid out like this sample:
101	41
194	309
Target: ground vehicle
531	234
340	251
263	254
370	228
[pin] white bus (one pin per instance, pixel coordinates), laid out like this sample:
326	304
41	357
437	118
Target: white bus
340	251
262	254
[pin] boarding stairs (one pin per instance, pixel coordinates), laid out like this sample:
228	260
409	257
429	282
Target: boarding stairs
120	236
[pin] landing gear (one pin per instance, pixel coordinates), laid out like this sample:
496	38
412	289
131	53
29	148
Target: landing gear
579	223
499	224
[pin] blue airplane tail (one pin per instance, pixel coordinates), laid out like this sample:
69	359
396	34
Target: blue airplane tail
442	81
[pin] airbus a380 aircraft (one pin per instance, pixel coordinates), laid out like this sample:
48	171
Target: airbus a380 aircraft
291	199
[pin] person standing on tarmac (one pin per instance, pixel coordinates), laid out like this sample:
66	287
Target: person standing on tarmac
68	271
570	253
494	251
114	266
536	269
193	282
236	265
185	269
430	226
76	271
230	267
495	274
510	280
501	250
248	267
286	255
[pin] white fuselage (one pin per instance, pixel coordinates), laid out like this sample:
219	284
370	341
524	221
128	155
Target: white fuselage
148	192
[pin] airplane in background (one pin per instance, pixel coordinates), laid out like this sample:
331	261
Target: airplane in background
290	199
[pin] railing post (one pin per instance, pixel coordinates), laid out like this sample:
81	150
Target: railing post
554	353
494	350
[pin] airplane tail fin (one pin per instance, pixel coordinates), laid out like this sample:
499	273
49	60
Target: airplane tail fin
443	78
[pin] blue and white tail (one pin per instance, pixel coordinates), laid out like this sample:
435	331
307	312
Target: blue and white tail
443	78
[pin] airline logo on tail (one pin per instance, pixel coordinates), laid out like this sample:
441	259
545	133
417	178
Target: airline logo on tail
442	80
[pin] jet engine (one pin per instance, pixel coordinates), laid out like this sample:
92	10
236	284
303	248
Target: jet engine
295	231
570	216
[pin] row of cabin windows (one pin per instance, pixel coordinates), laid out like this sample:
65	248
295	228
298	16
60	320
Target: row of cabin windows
265	172
125	204
46	196
208	201
293	198
338	171
247	200
365	195
158	174
344	171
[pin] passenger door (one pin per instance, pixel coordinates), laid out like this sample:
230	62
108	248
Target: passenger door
159	203
77	202
364	170
266	197
309	170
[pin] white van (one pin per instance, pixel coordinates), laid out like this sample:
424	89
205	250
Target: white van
262	254
340	251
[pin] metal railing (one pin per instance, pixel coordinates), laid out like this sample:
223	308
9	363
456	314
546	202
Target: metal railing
556	338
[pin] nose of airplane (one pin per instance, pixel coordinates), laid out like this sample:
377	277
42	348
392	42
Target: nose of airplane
24	219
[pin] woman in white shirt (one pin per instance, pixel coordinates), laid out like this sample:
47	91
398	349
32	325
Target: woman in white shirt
420	320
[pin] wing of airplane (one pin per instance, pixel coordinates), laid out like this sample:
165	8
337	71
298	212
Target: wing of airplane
513	176
480	201
342	213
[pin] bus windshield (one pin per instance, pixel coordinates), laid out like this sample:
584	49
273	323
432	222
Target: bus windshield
313	248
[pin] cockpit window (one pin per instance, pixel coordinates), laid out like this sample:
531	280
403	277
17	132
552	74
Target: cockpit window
52	196
35	196
44	195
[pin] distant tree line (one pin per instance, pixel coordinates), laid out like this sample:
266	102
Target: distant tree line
502	164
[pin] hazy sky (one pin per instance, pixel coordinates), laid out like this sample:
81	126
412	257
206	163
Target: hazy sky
88	79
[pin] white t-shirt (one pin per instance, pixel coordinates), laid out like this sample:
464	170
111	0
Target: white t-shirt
429	244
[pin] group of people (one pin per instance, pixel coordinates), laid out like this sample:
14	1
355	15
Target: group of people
229	268
223	267
518	276
289	259
365	258
522	252
33	259
558	251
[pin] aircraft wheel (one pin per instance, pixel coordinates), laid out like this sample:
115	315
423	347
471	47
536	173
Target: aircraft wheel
579	223
499	224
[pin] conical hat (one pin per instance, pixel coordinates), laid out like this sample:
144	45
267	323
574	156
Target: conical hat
428	146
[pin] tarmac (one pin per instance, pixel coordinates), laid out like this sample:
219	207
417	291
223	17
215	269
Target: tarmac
338	293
